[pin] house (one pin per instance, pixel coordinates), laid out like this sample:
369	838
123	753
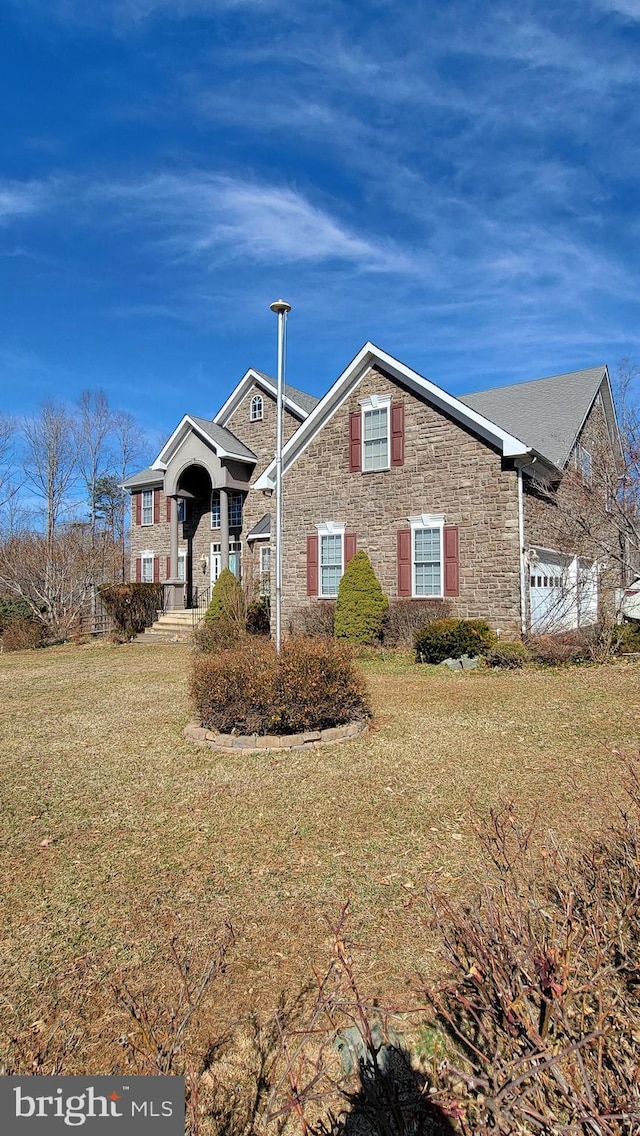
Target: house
501	501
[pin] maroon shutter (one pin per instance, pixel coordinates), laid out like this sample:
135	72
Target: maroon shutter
397	433
156	569
168	575
350	546
138	507
138	569
404	562
156	506
355	442
168	508
312	565
451	561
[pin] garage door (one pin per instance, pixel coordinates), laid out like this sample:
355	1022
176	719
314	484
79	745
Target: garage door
552	592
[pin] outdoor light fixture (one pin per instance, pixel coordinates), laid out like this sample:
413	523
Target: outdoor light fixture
282	309
203	563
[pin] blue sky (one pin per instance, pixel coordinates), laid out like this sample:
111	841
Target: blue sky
457	182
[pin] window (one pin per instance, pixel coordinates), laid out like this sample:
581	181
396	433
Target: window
331	562
256	408
147	567
182	564
375	432
216	559
585	465
427	554
265	570
147	507
235	510
182	510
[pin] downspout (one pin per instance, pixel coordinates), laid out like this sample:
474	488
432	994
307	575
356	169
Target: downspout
523	566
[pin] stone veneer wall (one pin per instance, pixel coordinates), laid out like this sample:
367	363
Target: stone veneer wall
447	470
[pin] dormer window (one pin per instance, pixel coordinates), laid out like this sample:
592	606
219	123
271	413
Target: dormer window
256	408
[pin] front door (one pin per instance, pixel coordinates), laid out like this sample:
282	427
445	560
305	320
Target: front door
215	562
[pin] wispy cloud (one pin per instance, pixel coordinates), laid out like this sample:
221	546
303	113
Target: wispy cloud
122	14
212	216
25	199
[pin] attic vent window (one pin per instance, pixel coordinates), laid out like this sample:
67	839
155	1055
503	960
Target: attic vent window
256	408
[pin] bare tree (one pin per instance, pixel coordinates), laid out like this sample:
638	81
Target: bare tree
50	466
129	446
92	430
8	479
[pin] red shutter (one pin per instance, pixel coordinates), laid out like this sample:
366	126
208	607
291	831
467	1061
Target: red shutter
156	506
350	546
404	562
168	508
451	561
312	565
168	575
138	507
138	569
355	442
156	569
397	433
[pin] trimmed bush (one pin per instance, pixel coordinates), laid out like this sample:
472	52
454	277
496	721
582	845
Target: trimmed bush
361	603
131	606
249	689
559	650
404	618
452	638
22	635
507	655
227	600
316	619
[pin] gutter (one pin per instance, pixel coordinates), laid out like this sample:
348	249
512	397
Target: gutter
523	566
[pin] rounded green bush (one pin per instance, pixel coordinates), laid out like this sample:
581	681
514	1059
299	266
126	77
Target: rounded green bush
451	639
361	603
508	655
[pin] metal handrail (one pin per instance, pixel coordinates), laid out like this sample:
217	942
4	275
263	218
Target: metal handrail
199	605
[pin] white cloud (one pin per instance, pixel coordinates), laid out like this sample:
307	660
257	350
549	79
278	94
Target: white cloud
24	199
120	14
215	216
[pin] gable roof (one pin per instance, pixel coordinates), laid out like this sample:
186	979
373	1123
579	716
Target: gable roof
296	401
547	413
226	444
508	444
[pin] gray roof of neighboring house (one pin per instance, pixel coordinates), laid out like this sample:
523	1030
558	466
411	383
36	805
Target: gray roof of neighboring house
261	529
547	414
220	436
304	400
144	477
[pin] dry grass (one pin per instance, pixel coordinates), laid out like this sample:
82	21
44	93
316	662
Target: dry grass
118	834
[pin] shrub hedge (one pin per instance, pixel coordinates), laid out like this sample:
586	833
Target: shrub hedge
404	618
131	606
22	635
561	649
361	603
451	638
316	619
249	689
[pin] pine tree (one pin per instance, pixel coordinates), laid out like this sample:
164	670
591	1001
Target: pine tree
361	603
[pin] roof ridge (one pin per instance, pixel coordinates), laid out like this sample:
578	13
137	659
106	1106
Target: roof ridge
541	379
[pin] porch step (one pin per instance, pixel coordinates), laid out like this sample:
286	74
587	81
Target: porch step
170	627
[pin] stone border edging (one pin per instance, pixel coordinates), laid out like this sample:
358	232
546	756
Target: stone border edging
231	743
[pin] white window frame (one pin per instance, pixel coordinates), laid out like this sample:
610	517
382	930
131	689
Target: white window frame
146	507
329	529
584	463
182	556
376	402
146	557
233	497
256	412
265	570
419	523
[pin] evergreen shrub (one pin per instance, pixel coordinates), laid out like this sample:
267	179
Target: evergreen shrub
627	637
507	655
131	606
451	638
361	603
249	689
12	608
258	621
227	600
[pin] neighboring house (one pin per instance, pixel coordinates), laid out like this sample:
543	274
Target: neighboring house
489	500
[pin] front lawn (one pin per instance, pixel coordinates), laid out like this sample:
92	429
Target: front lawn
118	835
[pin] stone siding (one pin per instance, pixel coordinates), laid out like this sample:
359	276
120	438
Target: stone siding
446	470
